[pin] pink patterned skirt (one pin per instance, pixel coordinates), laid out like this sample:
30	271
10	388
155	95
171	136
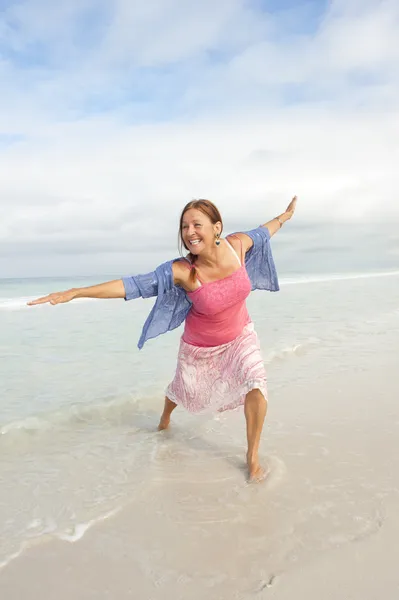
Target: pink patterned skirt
218	378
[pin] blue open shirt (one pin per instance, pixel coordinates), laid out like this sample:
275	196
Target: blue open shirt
172	303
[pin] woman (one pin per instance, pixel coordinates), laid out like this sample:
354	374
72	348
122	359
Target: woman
219	363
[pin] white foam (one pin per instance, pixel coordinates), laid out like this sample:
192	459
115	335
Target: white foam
14	303
291	350
20	303
12	557
76	532
32	425
28	424
334	277
71	535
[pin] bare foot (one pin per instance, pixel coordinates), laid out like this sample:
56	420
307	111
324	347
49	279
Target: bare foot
164	423
256	473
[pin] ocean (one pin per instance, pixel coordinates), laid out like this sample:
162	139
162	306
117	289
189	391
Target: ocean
79	403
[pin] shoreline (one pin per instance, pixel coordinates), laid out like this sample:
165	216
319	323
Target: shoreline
330	276
324	524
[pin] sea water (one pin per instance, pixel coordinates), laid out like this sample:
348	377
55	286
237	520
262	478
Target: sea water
79	403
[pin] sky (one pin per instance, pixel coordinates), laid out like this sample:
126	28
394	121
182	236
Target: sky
115	113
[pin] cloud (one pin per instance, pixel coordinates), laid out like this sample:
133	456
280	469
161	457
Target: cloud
117	114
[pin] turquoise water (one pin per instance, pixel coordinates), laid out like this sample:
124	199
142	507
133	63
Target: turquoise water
79	402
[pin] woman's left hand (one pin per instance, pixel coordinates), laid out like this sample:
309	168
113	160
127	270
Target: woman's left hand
291	208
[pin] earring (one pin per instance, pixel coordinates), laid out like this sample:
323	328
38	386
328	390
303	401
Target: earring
217	241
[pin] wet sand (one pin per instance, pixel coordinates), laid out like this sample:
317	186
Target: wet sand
325	524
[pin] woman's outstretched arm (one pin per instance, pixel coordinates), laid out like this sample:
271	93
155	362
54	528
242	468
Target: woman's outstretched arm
272	226
276	223
109	289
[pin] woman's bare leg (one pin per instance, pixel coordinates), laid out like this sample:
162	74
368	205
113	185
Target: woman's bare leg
255	409
167	411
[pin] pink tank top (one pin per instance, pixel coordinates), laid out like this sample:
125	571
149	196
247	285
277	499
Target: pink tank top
219	312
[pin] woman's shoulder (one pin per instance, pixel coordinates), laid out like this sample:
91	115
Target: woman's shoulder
240	241
181	270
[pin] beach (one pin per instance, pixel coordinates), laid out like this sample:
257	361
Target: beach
97	504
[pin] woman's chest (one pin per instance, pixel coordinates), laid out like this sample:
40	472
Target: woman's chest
216	296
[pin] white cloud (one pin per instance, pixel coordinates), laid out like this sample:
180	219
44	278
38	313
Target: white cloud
158	33
273	112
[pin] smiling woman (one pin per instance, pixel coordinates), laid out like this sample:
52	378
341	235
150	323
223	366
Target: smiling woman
219	363
196	228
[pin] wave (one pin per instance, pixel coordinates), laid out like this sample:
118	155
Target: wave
20	302
294	350
77	531
115	411
334	277
71	534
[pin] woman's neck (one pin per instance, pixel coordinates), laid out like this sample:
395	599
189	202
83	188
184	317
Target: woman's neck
211	258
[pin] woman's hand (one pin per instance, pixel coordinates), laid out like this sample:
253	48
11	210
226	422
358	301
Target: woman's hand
275	224
291	208
55	298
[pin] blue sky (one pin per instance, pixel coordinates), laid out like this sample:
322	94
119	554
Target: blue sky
134	62
114	114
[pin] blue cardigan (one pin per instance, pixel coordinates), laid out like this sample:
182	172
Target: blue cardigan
172	304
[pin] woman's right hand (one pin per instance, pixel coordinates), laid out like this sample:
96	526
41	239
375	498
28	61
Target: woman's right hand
55	298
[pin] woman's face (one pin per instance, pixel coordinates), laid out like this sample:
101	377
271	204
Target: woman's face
198	231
